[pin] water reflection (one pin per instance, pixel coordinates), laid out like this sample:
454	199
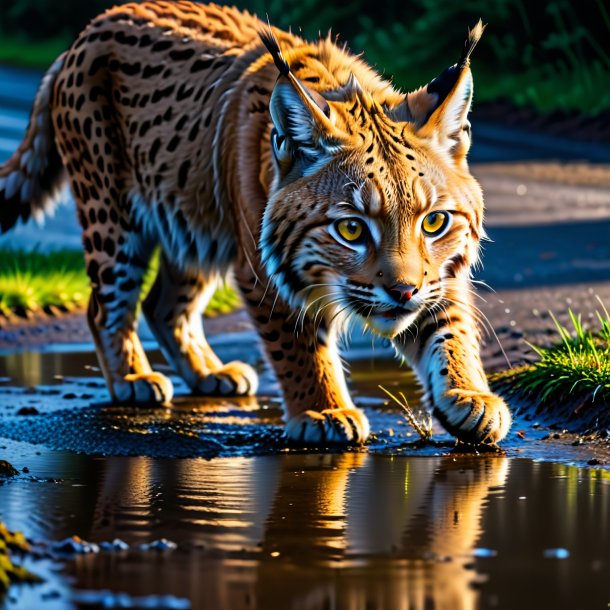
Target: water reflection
350	531
300	531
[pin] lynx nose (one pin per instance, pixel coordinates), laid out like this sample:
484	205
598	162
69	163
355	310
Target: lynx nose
401	293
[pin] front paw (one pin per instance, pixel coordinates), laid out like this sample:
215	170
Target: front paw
332	426
143	389
232	379
474	417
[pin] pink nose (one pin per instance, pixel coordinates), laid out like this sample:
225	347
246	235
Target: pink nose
402	292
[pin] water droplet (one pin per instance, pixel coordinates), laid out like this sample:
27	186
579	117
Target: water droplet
558	553
481	552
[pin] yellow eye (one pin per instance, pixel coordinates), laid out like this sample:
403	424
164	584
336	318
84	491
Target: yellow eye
435	223
350	229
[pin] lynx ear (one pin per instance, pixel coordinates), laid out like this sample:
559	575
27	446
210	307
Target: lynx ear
440	109
303	129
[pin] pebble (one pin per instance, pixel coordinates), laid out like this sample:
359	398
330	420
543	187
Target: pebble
53	594
482	552
75	546
159	545
28	411
7	469
116	545
110	600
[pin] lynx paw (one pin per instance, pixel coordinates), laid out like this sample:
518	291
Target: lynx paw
475	417
143	389
232	379
332	426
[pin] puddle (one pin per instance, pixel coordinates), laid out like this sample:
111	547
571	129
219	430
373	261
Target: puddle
393	526
348	531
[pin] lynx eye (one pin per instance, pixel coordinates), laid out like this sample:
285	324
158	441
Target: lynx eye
435	223
350	229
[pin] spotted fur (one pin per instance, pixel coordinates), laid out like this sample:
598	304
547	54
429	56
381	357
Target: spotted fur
176	124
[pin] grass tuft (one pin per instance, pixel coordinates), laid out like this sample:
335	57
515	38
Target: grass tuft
32	282
575	372
422	426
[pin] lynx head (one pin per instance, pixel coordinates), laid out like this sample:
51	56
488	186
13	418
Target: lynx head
373	212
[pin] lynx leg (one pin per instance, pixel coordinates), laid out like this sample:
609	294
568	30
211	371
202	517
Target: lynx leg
126	369
445	356
116	247
116	274
116	271
174	309
318	408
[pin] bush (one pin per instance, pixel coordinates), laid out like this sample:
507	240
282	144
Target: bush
546	54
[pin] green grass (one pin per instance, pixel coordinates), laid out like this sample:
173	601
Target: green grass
574	373
585	90
565	67
34	282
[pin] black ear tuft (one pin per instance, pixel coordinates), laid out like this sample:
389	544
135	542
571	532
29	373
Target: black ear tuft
446	80
273	46
474	35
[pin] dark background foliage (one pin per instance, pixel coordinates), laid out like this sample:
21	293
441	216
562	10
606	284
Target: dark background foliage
547	54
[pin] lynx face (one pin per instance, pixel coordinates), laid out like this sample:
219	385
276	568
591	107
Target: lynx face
371	216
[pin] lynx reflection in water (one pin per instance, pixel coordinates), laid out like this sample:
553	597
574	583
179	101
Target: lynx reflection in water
308	532
298	531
